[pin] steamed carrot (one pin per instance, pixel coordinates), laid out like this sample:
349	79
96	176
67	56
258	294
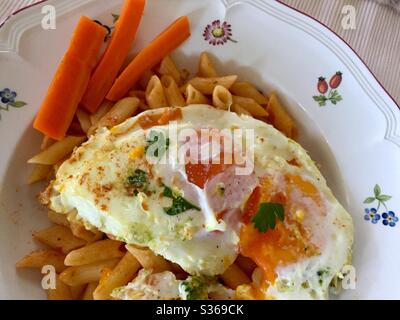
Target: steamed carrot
161	46
115	54
71	79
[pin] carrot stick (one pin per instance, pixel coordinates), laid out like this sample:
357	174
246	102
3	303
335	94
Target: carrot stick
167	41
71	79
115	54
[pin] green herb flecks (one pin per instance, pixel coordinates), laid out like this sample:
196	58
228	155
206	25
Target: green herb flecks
179	204
266	216
194	288
321	275
137	182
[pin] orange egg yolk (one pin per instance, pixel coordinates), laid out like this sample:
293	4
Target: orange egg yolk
289	241
200	173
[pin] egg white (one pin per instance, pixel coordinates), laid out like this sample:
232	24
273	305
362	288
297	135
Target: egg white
188	239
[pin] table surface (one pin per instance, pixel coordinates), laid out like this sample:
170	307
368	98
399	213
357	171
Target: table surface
376	37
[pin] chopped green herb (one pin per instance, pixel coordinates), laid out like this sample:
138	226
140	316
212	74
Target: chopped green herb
179	204
137	181
195	288
157	144
266	216
321	274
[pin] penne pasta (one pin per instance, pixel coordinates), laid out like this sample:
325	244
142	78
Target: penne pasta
145	79
247	90
101	112
169	68
185	74
61	291
194	96
121	111
206	66
58	218
246	264
77	291
57	151
57	166
148	259
84	120
122	274
239	110
46	142
222	98
80	231
251	106
75	276
40	258
280	118
234	277
88	293
94	252
59	238
155	95
39	173
207	85
172	92
140	94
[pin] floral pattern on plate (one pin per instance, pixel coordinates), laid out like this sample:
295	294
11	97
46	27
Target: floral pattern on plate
218	33
329	92
388	217
8	99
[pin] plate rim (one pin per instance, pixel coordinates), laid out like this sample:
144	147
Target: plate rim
228	3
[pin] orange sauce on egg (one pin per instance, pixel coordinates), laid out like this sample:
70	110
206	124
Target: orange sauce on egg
160	118
199	173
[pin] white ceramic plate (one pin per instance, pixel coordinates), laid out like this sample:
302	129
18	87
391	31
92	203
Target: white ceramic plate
357	141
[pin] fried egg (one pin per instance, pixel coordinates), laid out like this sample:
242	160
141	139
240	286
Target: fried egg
139	183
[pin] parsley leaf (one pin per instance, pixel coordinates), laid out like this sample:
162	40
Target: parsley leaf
179	204
267	215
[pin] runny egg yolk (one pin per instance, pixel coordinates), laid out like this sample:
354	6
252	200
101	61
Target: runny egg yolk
289	241
199	173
